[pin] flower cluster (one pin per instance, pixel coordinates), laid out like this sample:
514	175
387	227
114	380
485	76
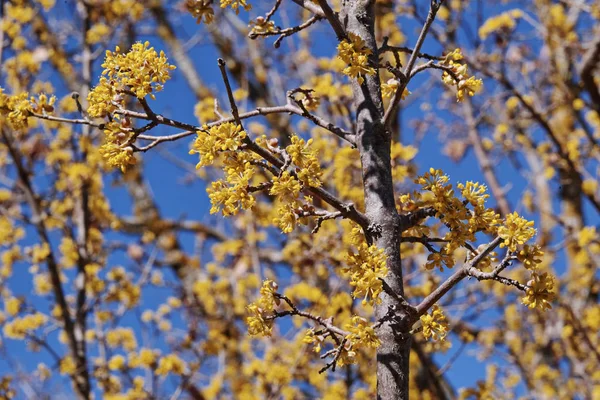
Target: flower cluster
459	76
539	292
366	270
306	160
230	194
236	4
530	256
515	231
361	334
356	55
258	323
116	149
261	26
220	138
434	325
141	71
462	222
285	187
145	358
389	88
201	9
311	337
171	364
507	21
20	327
16	109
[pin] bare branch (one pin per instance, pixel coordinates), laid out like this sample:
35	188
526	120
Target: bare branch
455	278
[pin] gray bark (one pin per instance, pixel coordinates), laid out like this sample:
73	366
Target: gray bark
374	141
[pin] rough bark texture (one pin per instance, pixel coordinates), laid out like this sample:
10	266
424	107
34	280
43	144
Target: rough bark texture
373	141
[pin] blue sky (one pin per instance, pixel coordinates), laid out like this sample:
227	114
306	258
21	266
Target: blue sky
189	201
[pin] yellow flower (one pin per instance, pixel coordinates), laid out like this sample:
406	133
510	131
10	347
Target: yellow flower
236	4
261	26
256	321
67	366
146	358
19	327
285	187
361	334
515	231
257	324
356	55
316	340
504	22
306	159
121	337
171	363
465	84
366	270
225	137
12	305
389	88
116	363
97	33
435	325
530	256
141	71
201	9
540	292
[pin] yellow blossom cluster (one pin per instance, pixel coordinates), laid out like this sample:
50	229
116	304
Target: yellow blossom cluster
306	160
355	54
530	256
18	328
18	108
515	231
171	364
463	223
67	366
389	88
226	140
362	335
260	26
122	290
120	9
539	292
236	4
435	325
9	233
507	21
225	137
287	186
459	76
366	269
121	337
232	194
140	72
12	305
201	10
145	358
258	321
6	391
97	33
287	189
317	340
204	110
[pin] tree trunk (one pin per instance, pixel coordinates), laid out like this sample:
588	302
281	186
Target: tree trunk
374	141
